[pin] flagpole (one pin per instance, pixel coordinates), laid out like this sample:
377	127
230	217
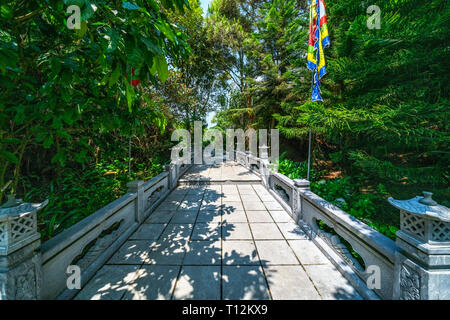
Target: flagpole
309	138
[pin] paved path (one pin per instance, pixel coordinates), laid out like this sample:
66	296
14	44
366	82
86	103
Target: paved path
218	242
224	172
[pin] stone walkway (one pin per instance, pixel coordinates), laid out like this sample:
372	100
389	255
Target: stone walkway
218	242
224	172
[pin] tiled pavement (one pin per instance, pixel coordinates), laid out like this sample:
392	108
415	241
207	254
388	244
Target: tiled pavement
223	171
219	242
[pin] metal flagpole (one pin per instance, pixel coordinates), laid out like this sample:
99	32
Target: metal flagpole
309	140
309	154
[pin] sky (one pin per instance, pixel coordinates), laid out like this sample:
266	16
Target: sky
204	4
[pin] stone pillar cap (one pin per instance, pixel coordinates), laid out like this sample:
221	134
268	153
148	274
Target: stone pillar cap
421	206
20	210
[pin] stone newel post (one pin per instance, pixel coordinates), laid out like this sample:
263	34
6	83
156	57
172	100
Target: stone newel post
136	187
300	185
20	258
422	266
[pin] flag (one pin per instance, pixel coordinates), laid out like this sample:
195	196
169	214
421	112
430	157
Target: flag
311	59
134	79
318	40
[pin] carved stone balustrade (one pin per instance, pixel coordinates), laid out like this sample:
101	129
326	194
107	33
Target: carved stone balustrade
422	265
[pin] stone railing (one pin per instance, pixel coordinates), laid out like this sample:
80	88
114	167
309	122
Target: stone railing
367	258
34	271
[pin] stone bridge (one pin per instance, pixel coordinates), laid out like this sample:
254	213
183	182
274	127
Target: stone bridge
230	230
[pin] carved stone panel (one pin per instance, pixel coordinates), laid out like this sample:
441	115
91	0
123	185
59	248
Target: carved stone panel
409	283
22	282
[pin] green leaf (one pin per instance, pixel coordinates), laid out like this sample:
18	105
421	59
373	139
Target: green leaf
114	76
130	96
48	142
161	66
166	30
83	29
9	156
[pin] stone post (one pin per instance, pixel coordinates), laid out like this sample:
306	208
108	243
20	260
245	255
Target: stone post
422	265
136	187
20	257
168	169
247	159
300	186
264	170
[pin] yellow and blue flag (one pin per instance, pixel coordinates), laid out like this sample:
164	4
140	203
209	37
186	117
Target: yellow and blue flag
318	40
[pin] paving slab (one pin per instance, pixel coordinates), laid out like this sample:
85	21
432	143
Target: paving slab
210	216
212	195
189	206
236	231
203	253
183	216
167	253
239	252
275	252
331	283
229	188
199	283
176	231
259	216
111	282
169	204
280	216
160	216
180	191
153	282
253	205
236	216
206	231
231	197
148	231
245	189
211	203
265	231
251	194
291	231
272	205
175	197
132	252
244	283
290	283
307	252
232	206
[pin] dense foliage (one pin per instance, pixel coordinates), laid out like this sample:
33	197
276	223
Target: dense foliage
72	121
